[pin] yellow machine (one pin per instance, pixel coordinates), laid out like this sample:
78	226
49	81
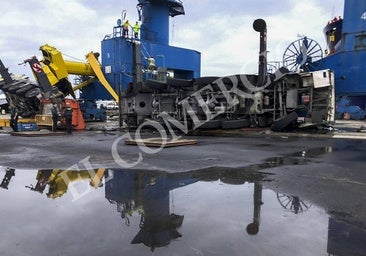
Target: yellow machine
57	69
60	180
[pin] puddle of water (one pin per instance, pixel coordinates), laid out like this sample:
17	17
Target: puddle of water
211	212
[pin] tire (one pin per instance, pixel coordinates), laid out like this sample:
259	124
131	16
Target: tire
235	124
22	91
285	121
32	93
14	88
6	87
212	124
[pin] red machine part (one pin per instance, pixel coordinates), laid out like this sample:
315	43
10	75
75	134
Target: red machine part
78	122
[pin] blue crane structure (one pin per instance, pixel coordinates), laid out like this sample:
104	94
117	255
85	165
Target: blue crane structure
346	43
123	57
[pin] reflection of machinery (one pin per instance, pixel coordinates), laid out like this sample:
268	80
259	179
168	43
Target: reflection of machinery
148	193
10	172
60	180
292	203
157	225
253	228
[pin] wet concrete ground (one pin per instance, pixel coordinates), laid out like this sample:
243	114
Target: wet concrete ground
253	195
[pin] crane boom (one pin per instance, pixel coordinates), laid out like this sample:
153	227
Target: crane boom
57	69
95	66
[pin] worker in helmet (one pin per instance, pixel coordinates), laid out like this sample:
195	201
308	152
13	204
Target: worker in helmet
126	27
68	118
136	29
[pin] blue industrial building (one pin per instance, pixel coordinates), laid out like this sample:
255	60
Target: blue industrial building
125	59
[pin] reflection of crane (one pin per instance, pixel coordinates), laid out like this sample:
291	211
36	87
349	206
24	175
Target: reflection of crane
60	180
7	177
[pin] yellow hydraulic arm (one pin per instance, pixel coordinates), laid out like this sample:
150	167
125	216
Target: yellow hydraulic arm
59	180
95	66
56	68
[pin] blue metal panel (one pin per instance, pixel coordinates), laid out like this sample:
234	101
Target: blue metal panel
117	64
181	60
94	91
117	61
27	127
354	19
117	68
350	78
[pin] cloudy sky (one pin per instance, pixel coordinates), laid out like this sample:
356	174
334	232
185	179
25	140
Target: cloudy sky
221	30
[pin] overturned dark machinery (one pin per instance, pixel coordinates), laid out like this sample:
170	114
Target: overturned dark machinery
276	99
20	91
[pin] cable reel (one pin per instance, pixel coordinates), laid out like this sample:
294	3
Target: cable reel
303	54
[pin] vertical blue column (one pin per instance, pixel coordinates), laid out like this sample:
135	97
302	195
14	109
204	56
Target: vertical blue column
155	22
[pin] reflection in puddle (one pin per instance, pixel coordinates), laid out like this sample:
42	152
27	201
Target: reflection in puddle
206	212
9	173
292	203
